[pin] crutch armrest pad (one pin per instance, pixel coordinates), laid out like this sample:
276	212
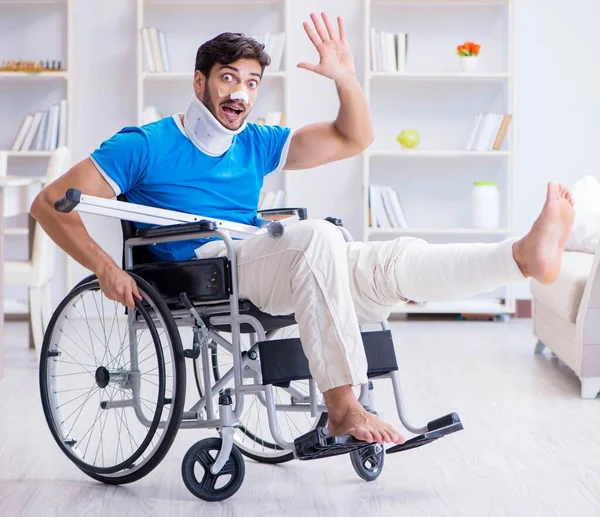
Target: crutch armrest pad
69	202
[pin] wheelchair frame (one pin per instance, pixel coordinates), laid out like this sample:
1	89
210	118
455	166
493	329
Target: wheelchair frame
228	419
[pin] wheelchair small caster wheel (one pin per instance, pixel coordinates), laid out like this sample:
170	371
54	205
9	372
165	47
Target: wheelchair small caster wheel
210	487
368	461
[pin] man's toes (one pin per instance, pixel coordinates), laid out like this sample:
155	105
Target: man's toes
563	189
377	436
553	190
364	435
396	438
388	436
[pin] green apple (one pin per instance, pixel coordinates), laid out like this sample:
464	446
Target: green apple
408	138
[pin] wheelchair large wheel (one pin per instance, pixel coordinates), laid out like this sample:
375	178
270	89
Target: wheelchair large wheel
112	382
253	436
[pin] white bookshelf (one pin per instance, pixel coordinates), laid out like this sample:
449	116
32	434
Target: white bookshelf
434	97
34	30
189	23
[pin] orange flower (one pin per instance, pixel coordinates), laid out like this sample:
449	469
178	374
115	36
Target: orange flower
468	48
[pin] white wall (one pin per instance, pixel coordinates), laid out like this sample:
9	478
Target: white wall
557	105
556	129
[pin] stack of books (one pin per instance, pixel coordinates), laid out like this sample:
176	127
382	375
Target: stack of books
388	51
156	52
44	130
488	131
157	58
385	208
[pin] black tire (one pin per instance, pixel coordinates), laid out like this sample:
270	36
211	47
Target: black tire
200	453
368	461
126	471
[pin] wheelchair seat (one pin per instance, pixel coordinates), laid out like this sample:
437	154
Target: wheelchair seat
205	281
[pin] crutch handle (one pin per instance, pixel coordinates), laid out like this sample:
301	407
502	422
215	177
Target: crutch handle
69	202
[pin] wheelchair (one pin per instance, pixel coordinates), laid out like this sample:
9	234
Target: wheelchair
113	380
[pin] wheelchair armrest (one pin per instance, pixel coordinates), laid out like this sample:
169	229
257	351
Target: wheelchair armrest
285	212
336	221
203	226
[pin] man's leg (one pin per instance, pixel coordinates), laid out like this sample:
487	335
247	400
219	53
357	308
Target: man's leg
382	274
305	272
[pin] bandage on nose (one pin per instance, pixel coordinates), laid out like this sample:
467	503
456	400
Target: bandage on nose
238	92
241	95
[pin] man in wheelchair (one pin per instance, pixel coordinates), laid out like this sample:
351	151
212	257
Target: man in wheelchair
209	160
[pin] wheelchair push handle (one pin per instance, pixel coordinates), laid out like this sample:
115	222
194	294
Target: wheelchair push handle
69	202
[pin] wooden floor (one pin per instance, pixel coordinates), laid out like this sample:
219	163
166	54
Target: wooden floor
531	446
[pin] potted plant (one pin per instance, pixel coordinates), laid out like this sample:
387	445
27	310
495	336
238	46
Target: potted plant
467	55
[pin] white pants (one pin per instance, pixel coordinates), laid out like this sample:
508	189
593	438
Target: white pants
333	286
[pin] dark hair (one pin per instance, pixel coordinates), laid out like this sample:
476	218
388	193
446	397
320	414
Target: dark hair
227	48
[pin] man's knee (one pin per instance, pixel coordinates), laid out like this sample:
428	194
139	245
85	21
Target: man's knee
316	233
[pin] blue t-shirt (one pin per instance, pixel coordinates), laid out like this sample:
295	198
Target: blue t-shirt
157	165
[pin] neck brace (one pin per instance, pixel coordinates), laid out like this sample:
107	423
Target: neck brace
205	131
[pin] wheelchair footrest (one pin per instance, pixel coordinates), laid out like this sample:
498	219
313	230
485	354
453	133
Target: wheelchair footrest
318	444
431	435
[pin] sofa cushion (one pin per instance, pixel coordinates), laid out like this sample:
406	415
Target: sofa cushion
564	295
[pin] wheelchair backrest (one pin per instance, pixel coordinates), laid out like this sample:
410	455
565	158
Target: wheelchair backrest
141	254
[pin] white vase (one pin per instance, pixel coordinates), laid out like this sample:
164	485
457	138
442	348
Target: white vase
468	64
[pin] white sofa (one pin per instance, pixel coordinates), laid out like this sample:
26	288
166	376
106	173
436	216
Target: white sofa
566	317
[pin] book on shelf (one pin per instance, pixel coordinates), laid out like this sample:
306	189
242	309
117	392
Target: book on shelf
388	51
271	199
488	131
274	45
43	130
155	50
273	118
385	208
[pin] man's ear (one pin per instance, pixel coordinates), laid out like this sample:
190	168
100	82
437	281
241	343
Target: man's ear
199	82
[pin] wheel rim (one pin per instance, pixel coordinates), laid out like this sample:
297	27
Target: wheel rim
106	377
253	435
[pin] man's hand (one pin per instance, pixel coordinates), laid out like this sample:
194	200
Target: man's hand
117	285
335	58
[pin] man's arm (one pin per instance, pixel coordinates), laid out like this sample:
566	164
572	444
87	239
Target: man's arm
69	232
351	132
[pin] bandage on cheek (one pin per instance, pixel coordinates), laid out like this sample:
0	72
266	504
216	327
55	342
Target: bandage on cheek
237	92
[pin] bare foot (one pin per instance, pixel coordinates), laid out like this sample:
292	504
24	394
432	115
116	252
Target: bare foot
348	417
364	426
539	253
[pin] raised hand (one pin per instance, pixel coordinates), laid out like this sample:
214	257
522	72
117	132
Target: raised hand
335	58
